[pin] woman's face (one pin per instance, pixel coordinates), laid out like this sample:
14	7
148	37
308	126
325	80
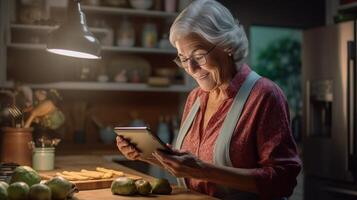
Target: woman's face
205	62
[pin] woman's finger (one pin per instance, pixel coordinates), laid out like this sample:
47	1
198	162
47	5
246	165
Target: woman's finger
133	155
173	160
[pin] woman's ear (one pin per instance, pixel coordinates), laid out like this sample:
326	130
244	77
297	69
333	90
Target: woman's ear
228	51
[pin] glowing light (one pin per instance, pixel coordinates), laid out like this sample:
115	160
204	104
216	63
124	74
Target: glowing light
76	54
90	38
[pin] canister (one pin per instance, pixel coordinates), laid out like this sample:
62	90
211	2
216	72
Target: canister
43	158
14	146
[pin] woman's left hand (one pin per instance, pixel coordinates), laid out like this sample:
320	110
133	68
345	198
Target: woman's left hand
181	164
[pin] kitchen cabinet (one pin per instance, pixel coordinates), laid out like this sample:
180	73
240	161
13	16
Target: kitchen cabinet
23	58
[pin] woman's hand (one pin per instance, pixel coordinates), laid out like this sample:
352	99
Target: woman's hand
181	164
132	153
127	149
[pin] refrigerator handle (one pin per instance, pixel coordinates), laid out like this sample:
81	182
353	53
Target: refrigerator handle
307	108
350	98
351	106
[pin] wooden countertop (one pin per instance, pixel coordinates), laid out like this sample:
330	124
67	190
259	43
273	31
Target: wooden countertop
77	162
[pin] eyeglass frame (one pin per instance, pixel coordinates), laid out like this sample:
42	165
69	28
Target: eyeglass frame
178	61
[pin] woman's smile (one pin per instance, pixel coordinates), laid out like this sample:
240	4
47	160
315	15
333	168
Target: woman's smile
201	76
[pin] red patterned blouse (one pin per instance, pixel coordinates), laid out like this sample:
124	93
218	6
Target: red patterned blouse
262	138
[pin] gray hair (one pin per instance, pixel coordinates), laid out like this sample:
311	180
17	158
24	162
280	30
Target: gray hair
212	21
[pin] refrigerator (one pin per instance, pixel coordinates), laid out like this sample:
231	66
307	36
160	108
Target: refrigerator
330	112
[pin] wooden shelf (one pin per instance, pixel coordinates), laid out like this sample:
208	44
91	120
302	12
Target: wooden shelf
110	86
41	28
139	50
126	11
29	46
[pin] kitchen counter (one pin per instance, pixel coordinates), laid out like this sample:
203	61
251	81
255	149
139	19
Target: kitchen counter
78	162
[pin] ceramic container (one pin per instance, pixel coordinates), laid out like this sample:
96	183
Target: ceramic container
15	145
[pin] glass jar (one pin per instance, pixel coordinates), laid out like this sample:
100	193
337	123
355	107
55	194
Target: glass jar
125	34
43	158
149	36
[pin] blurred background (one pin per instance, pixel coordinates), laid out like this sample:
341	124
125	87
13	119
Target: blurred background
307	47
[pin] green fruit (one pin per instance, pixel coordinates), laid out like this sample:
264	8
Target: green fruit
123	186
40	192
2	183
25	174
161	186
143	187
3	191
60	188
18	191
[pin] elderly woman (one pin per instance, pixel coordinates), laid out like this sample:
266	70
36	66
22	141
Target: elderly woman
235	139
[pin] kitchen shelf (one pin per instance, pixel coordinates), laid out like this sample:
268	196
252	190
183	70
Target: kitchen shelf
29	46
47	28
137	87
139	50
127	11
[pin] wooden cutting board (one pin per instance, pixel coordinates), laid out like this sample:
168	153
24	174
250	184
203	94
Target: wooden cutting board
177	194
92	184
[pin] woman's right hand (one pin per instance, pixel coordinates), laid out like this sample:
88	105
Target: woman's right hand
127	149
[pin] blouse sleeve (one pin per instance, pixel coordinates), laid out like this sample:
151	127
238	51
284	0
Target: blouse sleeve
278	157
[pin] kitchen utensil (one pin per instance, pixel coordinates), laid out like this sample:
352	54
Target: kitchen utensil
42	109
15	114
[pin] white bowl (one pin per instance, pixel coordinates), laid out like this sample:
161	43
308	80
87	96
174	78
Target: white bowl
141	4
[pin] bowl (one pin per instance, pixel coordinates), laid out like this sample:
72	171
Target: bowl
141	4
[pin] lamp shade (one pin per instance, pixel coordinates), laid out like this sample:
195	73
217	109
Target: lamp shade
73	38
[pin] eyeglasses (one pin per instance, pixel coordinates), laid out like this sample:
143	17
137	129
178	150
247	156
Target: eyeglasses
196	59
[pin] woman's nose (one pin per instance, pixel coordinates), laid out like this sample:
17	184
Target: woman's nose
192	66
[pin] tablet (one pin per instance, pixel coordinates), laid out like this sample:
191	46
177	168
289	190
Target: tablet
144	140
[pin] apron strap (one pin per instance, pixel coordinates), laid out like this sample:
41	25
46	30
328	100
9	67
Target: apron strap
183	131
221	149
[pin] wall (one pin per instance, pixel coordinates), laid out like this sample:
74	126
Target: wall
287	13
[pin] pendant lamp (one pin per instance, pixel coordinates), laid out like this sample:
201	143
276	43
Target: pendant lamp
73	38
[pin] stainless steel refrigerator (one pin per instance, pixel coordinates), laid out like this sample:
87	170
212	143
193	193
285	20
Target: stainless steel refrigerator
330	107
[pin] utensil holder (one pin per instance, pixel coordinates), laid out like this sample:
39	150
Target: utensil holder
15	145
